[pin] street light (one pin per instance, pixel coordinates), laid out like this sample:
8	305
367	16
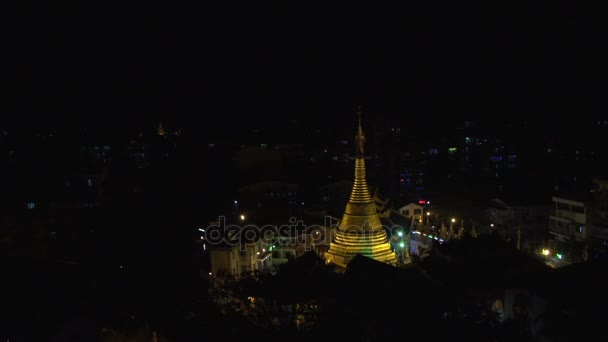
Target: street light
242	217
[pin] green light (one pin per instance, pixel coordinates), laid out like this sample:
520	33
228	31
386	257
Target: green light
270	248
402	244
559	256
431	236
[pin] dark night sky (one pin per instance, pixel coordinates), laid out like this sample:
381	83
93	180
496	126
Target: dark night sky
95	62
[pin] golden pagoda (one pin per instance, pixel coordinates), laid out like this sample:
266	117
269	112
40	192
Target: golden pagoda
360	230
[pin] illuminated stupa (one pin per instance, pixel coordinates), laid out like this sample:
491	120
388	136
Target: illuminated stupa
360	230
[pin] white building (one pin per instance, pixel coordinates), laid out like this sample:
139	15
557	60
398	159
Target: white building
412	211
239	258
568	218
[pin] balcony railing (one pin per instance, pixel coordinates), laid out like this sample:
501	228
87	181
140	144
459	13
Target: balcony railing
568	215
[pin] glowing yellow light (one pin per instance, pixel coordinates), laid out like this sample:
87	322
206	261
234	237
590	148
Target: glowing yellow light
242	217
428	213
453	220
546	252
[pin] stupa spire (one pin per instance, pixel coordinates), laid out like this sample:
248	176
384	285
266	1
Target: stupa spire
360	137
360	192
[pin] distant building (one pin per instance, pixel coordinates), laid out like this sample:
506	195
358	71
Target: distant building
579	224
287	245
237	256
568	219
598	219
269	194
412	211
519	220
225	258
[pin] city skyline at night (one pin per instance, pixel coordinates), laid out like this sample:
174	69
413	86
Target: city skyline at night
146	147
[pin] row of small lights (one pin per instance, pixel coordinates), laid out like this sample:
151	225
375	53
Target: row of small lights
429	236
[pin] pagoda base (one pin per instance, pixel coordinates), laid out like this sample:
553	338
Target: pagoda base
371	244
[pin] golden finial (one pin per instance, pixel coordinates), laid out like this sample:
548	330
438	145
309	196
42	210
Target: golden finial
360	138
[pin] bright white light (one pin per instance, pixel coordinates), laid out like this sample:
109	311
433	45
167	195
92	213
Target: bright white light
400	233
242	217
201	229
491	224
235	202
453	220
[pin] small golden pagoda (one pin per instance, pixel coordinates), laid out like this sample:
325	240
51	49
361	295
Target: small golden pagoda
360	230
